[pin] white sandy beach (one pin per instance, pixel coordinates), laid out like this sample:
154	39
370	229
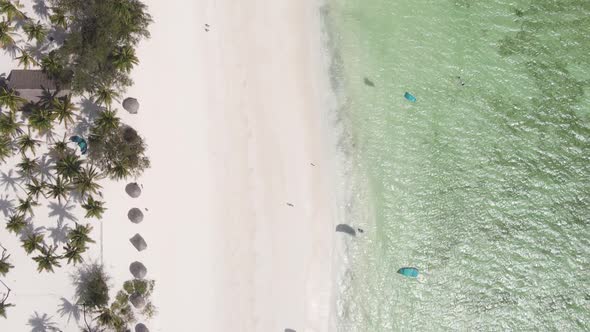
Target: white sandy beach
233	118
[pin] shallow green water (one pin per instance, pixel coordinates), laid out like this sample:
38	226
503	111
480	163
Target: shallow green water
484	186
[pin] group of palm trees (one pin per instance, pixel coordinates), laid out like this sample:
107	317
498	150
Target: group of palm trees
67	177
50	169
70	175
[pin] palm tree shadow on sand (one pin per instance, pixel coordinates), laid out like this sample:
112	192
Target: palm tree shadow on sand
9	181
40	8
6	205
89	111
42	323
59	233
70	309
61	211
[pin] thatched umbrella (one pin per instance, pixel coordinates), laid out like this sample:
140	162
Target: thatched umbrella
131	105
138	270
133	189
137	300
135	215
141	328
138	242
346	229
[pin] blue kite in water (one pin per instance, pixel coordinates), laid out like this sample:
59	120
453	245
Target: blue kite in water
81	143
411	272
410	97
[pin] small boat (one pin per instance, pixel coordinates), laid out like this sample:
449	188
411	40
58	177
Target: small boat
411	272
410	97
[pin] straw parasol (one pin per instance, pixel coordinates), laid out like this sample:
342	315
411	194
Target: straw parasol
138	270
131	105
137	300
135	215
346	229
138	242
133	189
141	328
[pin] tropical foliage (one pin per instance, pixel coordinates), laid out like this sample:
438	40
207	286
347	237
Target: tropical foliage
5	266
120	153
47	259
94	208
97	29
95	58
35	31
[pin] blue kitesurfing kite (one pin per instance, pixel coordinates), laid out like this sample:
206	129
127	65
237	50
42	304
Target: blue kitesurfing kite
81	143
410	97
411	272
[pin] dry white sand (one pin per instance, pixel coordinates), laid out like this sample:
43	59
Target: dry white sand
233	117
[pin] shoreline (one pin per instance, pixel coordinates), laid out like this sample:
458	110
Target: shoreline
233	118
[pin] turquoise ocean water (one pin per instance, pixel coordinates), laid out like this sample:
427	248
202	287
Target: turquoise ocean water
484	186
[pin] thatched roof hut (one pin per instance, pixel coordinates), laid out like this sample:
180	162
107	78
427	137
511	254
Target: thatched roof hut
137	300
135	215
138	242
141	328
30	84
133	189
138	270
131	105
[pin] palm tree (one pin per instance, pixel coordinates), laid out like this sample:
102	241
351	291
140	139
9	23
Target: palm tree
69	166
10	99
35	188
5	148
47	99
41	120
26	142
86	181
26	206
51	65
59	149
35	30
6	35
5	266
27	167
107	121
79	236
94	208
11	10
33	242
64	109
59	189
119	171
16	223
124	58
9	126
47	260
58	18
3	306
105	95
26	60
74	253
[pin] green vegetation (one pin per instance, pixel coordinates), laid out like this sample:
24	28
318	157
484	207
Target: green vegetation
5	266
101	36
92	292
95	59
120	153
